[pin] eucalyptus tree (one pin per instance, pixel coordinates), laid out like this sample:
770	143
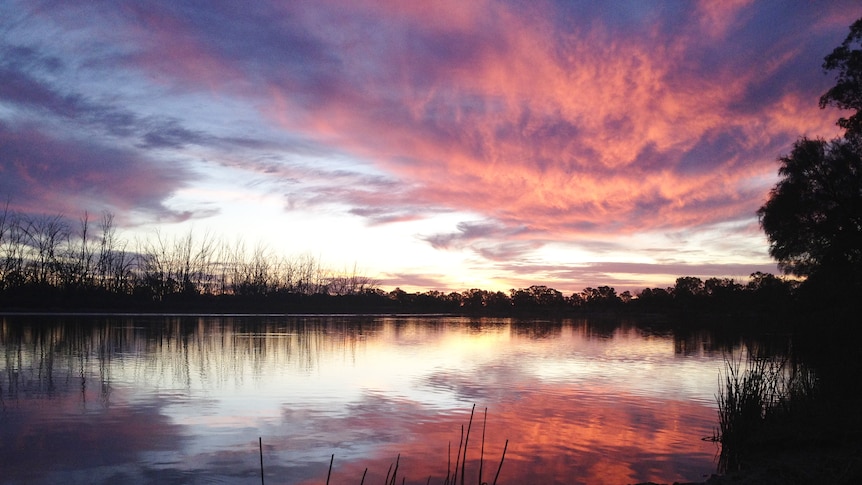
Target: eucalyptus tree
813	217
846	59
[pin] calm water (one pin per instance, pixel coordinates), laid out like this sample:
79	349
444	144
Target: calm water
166	399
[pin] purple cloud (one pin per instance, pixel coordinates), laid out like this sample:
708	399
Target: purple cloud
548	122
44	174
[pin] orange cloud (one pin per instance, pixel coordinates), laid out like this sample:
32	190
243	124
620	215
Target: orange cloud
566	132
568	128
551	121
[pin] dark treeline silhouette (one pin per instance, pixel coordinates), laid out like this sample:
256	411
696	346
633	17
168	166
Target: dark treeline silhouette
49	263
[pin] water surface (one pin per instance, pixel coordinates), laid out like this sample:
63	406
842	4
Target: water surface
184	399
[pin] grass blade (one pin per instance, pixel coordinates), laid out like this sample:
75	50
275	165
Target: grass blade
260	447
501	462
467	440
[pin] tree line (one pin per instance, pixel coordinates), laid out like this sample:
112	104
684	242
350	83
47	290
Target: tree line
48	262
690	293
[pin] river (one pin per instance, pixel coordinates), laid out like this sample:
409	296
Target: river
204	399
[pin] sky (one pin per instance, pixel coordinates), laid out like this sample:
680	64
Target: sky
439	145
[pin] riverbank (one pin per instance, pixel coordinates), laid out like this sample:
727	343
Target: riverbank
838	465
820	439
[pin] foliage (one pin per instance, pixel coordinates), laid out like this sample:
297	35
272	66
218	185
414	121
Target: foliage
813	217
755	402
847	92
688	287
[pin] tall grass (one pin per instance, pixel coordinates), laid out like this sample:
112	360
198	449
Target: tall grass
759	401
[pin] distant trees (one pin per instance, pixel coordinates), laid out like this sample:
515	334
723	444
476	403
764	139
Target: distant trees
603	297
813	217
536	297
48	261
476	300
55	263
721	287
655	298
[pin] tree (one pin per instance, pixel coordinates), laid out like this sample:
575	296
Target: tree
847	92
768	288
721	288
813	217
688	287
654	297
603	296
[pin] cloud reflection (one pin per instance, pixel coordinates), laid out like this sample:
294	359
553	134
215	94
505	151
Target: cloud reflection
556	435
184	398
48	440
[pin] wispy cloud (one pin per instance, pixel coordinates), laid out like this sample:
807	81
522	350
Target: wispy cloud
41	171
541	122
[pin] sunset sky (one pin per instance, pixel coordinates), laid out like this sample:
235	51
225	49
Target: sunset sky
433	145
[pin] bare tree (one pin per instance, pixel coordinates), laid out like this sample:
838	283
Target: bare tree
114	266
42	250
78	267
46	235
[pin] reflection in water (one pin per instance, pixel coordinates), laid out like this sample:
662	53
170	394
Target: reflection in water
139	399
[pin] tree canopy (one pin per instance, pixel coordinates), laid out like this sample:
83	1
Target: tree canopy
813	217
846	59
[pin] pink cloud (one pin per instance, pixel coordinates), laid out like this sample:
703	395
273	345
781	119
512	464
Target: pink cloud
549	122
501	112
530	135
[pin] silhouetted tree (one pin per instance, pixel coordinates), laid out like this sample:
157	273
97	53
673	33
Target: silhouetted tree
473	299
602	297
721	288
546	297
813	217
766	288
847	92
47	236
575	301
400	296
687	287
114	267
537	297
654	297
522	299
498	302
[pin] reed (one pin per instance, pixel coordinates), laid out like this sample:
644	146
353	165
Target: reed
260	447
452	474
755	402
451	479
466	441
